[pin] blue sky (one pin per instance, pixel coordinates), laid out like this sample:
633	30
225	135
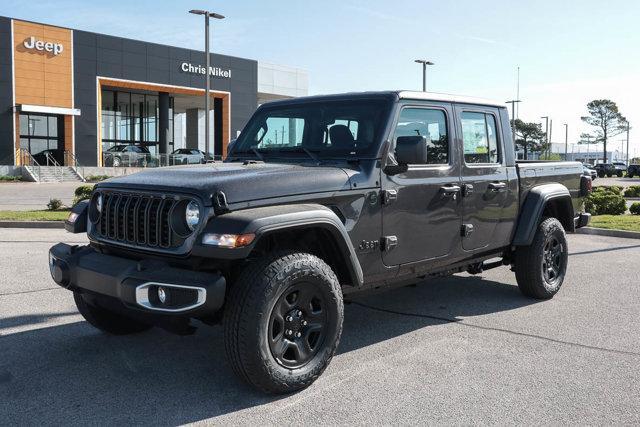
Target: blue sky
569	52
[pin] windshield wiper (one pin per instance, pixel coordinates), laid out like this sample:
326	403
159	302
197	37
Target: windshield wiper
257	153
311	154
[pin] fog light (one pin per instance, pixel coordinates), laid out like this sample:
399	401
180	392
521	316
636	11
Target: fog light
162	295
228	240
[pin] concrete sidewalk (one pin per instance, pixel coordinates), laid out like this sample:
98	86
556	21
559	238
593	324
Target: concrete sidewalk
26	196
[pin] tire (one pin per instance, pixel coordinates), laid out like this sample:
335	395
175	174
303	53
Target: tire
267	323
630	175
117	161
619	174
609	175
106	320
548	249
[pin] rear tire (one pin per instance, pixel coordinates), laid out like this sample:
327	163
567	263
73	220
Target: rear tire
541	267
283	321
106	320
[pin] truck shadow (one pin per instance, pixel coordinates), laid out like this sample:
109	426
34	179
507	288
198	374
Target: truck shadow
72	374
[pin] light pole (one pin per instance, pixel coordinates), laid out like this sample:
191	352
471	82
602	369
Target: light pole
513	118
207	90
546	133
566	140
424	63
627	144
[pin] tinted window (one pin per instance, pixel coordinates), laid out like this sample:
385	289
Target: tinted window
480	138
431	123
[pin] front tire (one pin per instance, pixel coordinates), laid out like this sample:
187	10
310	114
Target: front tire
541	267
106	320
283	321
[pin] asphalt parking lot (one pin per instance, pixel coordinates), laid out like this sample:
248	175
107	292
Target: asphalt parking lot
462	350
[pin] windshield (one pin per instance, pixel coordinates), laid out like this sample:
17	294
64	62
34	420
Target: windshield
326	129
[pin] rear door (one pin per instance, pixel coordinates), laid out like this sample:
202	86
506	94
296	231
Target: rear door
485	182
423	211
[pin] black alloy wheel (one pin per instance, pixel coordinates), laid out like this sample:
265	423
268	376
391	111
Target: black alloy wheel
552	260
297	326
542	266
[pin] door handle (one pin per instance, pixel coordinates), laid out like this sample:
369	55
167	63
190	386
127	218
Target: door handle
497	187
450	190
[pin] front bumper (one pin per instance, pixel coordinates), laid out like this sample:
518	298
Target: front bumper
137	284
582	220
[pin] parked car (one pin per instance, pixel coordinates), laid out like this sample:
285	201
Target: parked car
187	156
605	169
373	190
127	155
633	170
589	172
621	168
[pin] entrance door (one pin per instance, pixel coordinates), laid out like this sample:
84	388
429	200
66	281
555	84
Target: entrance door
41	134
484	176
425	215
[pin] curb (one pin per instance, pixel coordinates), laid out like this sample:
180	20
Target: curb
31	224
611	233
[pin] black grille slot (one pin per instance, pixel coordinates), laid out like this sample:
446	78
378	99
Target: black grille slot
138	219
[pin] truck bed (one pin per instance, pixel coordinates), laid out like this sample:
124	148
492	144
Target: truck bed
538	172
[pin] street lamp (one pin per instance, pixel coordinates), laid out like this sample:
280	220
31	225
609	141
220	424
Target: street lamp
424	63
513	117
566	140
207	15
546	134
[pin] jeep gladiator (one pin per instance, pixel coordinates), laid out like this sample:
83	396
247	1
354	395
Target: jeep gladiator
320	197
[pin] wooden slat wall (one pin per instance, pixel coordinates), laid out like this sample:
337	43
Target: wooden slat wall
42	78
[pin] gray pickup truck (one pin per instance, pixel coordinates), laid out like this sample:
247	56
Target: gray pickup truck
320	197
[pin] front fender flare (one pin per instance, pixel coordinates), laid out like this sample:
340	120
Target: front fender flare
262	221
533	208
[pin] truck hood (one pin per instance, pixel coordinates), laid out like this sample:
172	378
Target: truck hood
239	182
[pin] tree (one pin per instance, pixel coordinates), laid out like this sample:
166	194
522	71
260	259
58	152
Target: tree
529	136
605	117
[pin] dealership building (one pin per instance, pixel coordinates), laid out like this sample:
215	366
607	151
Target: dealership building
81	93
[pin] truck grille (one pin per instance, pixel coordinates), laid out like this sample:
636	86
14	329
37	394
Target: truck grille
138	219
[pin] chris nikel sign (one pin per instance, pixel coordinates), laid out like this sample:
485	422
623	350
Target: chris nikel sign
42	46
187	67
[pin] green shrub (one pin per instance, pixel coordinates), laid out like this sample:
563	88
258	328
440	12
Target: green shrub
82	193
54	204
605	201
609	189
10	178
96	178
635	208
632	191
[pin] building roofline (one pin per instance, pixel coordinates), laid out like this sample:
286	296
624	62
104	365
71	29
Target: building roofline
124	38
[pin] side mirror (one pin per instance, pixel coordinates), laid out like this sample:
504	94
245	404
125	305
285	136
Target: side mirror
412	150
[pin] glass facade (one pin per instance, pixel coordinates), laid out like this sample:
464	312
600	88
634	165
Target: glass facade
132	118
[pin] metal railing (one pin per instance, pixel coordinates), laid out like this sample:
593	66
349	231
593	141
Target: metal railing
24	158
52	162
71	160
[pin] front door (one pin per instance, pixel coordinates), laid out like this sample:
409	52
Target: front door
41	134
422	211
484	176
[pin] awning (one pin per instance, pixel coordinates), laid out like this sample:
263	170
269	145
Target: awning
24	108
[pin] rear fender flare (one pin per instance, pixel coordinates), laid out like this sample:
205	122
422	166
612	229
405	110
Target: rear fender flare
533	208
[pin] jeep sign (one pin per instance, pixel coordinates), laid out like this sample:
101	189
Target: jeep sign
54	48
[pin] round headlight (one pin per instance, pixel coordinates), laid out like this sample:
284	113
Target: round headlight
192	215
